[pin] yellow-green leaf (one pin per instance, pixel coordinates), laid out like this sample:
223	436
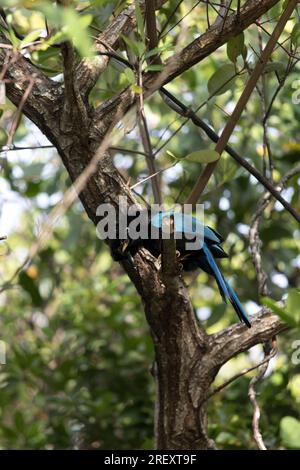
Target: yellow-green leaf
295	35
203	156
290	432
30	38
222	80
236	47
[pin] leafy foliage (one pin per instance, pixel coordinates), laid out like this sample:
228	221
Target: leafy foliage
79	353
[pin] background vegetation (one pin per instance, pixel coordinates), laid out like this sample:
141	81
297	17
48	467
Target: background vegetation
79	354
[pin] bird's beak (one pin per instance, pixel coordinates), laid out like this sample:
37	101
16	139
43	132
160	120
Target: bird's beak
124	246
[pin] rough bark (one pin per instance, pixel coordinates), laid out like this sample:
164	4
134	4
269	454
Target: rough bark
186	358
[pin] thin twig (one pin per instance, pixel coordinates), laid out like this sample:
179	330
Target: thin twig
254	239
241	104
146	141
15	148
169	18
144	180
181	19
15	122
268	349
68	199
240	374
183	110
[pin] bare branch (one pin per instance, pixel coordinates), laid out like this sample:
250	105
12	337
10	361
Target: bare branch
214	38
242	102
70	196
223	12
150	159
18	113
237	338
75	111
241	374
43	103
184	111
89	69
254	240
208	42
151	30
269	350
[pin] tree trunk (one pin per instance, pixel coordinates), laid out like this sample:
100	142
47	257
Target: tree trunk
186	358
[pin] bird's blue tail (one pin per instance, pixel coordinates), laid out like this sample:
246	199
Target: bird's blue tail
225	289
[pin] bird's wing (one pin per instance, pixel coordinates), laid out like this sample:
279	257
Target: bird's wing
188	224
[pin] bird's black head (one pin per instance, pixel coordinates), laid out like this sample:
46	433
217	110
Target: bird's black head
124	249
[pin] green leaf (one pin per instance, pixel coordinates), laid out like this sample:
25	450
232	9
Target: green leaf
227	170
139	21
275	66
19	422
203	156
76	28
157	50
71	24
290	432
172	155
30	38
30	287
32	189
136	89
285	4
154	68
33	171
222	80
293	304
281	312
295	35
3	136
236	47
137	47
13	38
129	75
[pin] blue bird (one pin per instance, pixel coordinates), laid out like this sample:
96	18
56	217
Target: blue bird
187	230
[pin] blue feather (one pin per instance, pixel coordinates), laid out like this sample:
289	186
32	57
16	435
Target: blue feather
225	289
216	272
189	225
238	306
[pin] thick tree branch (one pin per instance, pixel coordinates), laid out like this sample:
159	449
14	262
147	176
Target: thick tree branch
187	358
44	102
211	40
75	110
236	339
207	43
89	70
